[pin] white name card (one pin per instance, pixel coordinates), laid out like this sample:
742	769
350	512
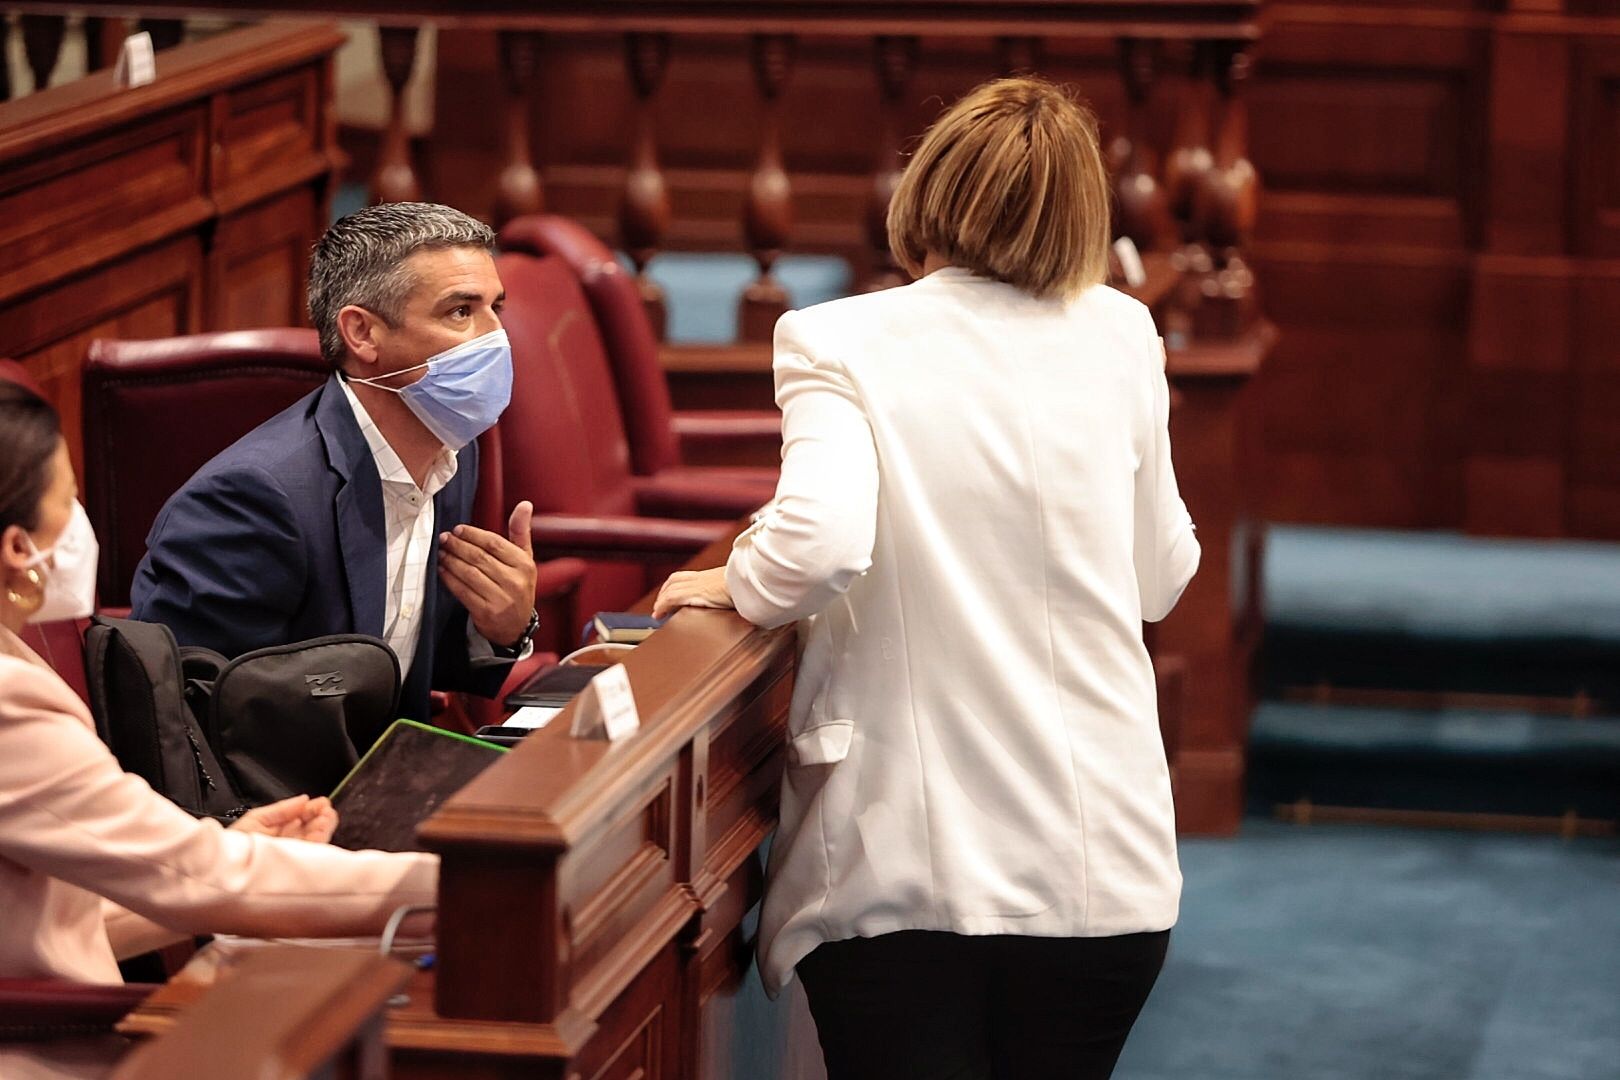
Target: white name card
606	709
136	65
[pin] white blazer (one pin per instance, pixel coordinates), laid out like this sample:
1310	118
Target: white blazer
976	512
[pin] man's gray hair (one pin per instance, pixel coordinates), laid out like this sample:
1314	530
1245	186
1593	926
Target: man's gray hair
360	260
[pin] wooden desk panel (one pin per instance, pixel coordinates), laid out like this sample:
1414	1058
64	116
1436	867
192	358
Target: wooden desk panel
186	205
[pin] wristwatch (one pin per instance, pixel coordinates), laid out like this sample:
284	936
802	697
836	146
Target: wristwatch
515	650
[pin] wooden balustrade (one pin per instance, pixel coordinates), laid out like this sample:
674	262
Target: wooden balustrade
896	60
1207	186
518	189
644	208
768	209
396	179
42	45
1141	207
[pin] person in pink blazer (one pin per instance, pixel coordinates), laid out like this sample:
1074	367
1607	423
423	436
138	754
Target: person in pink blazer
94	864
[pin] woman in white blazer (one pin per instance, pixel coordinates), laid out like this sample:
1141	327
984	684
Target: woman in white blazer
975	873
94	864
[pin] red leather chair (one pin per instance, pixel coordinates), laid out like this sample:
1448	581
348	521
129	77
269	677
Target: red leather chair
156	411
562	445
660	439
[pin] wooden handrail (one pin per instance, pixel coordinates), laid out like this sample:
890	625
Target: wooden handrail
282	1013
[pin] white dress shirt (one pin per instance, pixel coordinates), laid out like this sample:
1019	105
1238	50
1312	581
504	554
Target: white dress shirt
408	517
976	512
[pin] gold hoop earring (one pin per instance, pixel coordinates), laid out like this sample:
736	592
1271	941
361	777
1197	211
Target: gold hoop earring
33	599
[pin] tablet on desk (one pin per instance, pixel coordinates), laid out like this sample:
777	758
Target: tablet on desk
554	687
404	778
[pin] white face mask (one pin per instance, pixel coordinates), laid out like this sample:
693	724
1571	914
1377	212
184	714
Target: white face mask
70	580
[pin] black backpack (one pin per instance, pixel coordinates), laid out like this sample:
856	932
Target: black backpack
218	736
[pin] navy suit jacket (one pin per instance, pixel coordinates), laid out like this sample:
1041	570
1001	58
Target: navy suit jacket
282	538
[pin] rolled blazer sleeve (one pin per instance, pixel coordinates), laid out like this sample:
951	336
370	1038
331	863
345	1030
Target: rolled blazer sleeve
67	810
816	536
1166	548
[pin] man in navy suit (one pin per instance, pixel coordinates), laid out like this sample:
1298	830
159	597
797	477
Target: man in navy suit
347	513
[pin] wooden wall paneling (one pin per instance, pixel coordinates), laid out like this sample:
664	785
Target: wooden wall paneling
1365	137
64	209
1594	475
259	261
1595	138
185	205
156	293
1519	377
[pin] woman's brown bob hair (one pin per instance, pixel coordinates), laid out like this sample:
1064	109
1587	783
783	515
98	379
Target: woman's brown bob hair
1009	183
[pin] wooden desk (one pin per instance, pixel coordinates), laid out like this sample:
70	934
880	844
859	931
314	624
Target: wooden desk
592	894
283	1013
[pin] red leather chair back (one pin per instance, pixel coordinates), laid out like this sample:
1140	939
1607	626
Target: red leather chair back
157	411
562	442
627	336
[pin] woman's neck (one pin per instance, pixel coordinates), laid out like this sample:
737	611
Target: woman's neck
10	617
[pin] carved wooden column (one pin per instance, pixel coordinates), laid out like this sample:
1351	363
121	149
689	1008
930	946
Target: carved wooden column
166	33
768	212
1019	55
395	180
518	189
42	44
644	206
1143	210
896	59
1190	158
1225	201
95	42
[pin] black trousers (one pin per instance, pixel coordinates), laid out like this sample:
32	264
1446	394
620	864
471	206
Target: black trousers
922	1005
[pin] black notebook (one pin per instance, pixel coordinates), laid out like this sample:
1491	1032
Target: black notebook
405	776
554	687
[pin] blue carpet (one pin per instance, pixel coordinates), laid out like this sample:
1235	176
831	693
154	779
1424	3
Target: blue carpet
1350	953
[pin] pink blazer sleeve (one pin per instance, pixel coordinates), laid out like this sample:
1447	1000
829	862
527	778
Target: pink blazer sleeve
68	810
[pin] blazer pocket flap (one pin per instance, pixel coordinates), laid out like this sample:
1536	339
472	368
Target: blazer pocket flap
824	744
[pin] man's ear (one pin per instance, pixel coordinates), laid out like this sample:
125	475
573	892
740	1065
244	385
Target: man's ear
360	330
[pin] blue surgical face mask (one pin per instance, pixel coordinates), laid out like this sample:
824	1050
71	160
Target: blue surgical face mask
464	391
